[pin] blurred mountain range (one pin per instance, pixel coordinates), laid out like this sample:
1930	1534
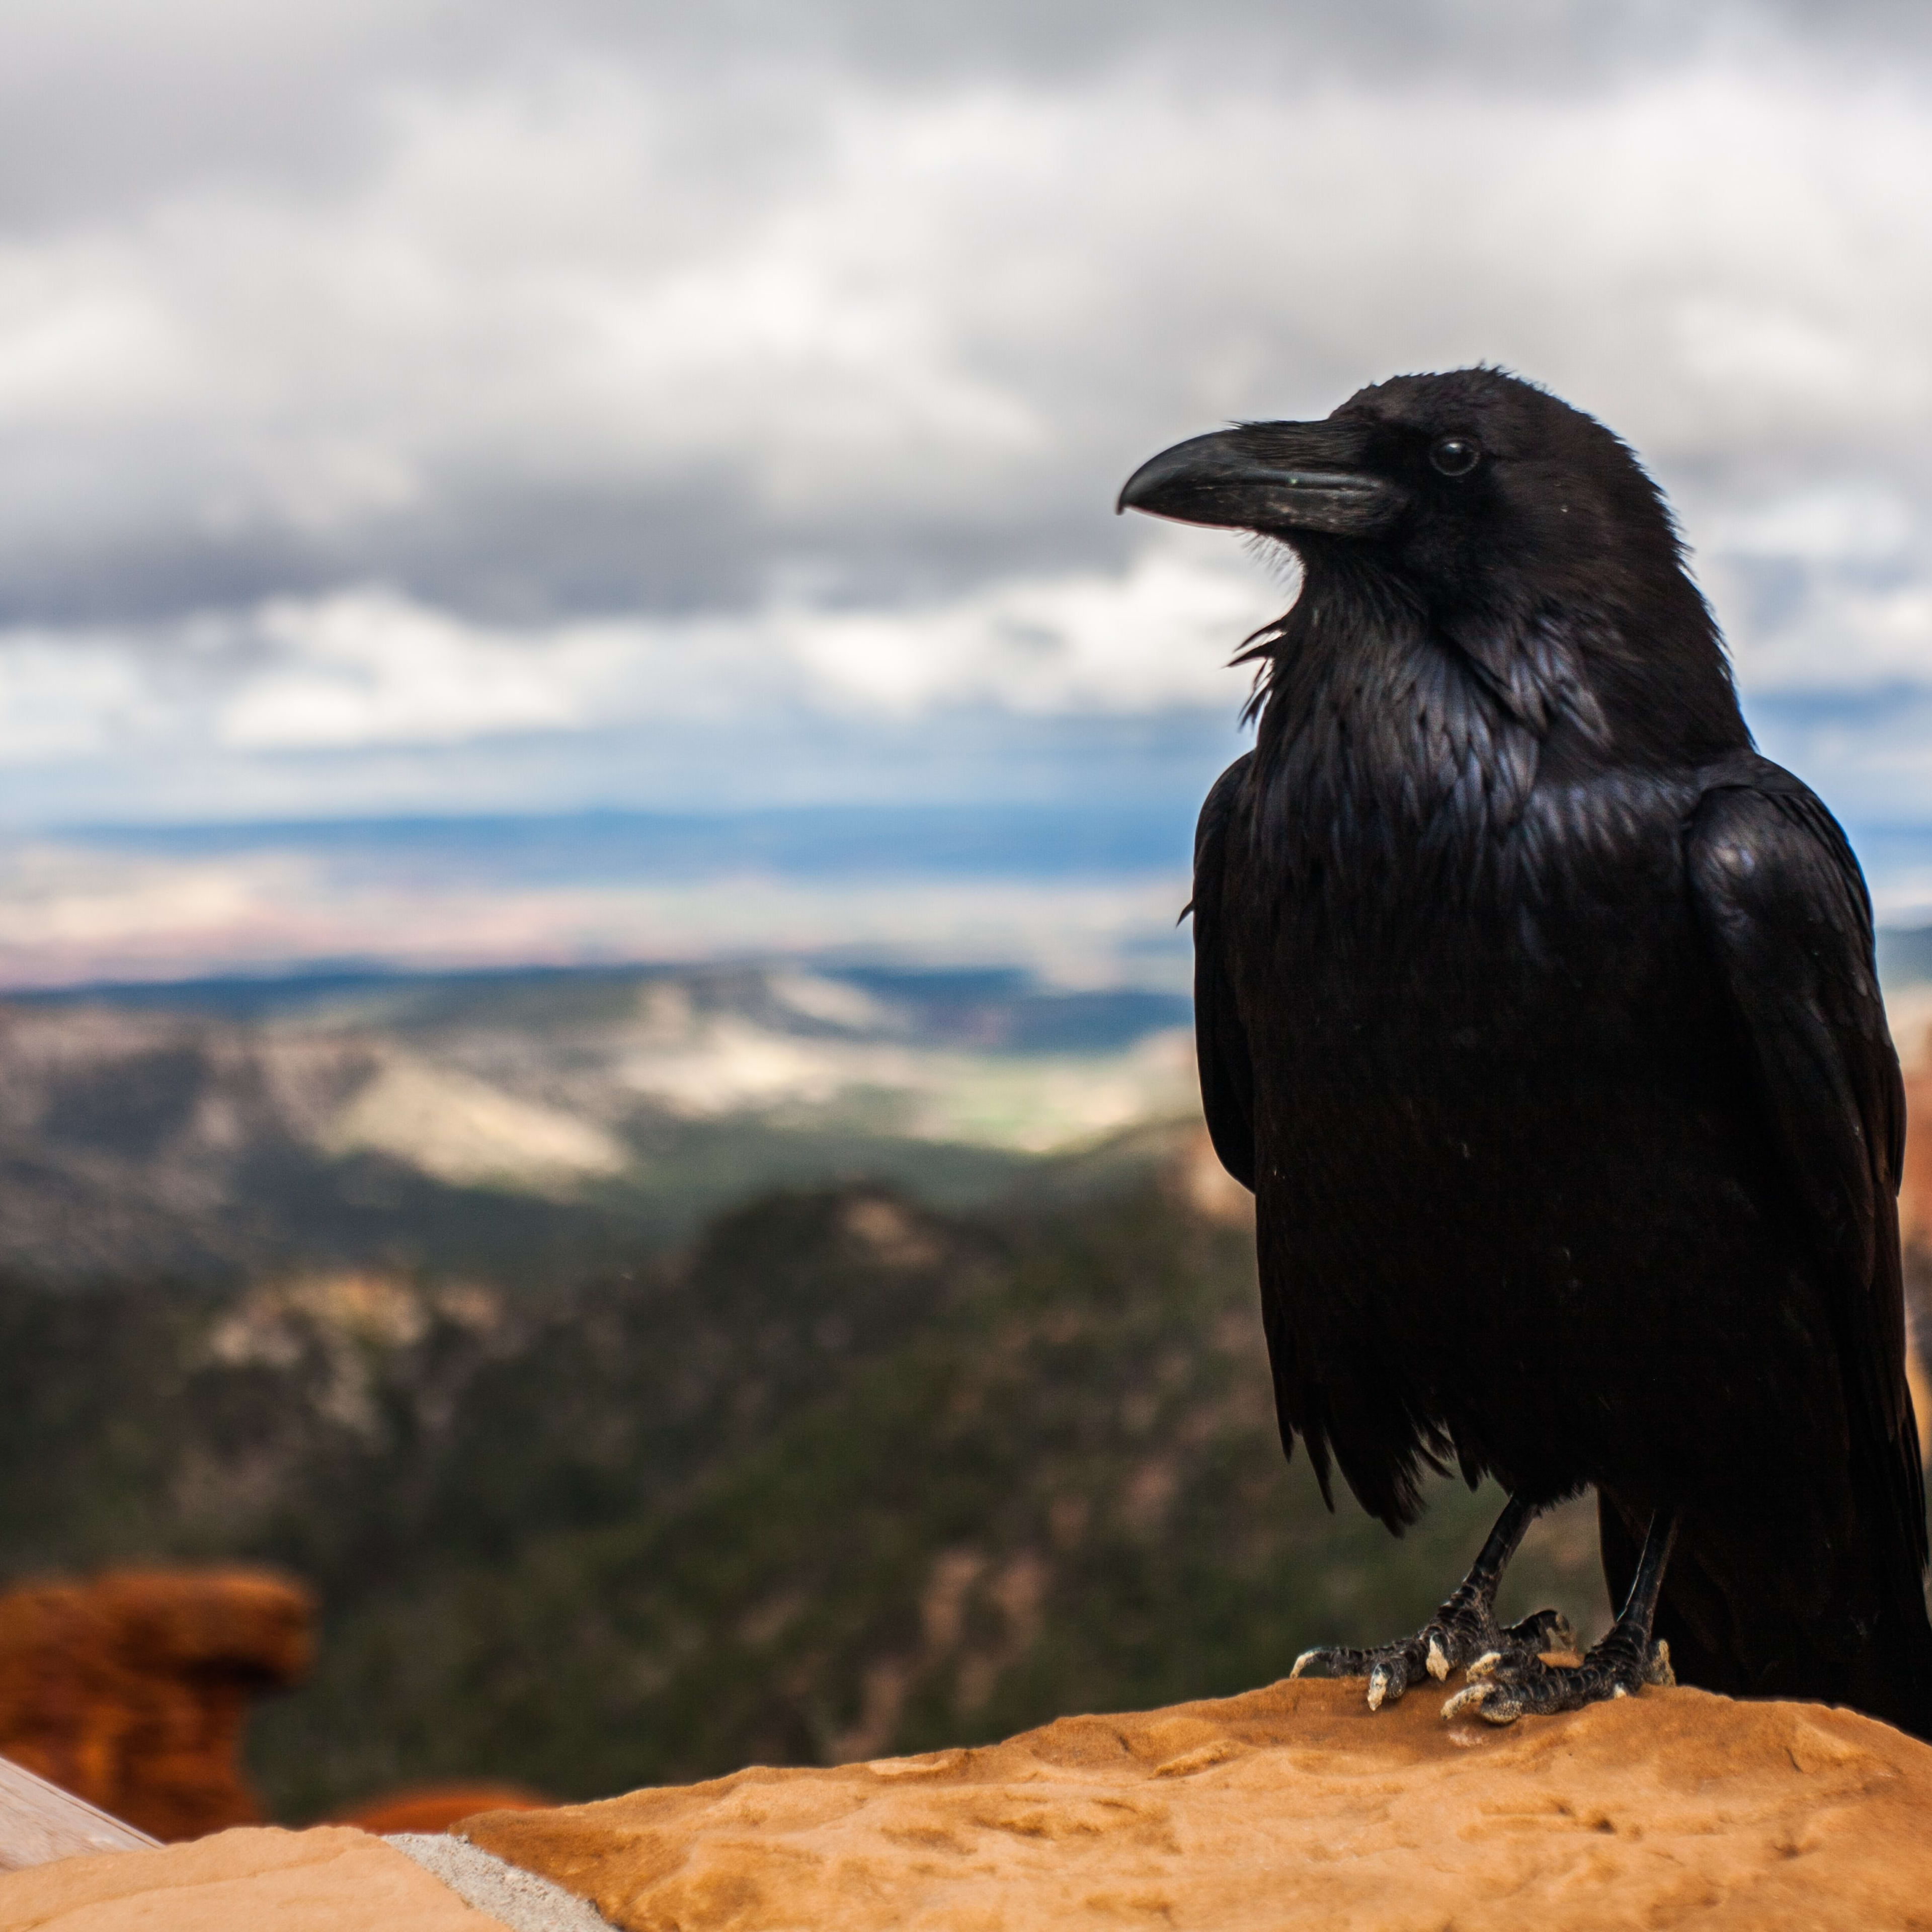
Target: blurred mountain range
517	1124
524	1125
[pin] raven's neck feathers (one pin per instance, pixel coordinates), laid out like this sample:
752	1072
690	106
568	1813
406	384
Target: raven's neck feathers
1369	699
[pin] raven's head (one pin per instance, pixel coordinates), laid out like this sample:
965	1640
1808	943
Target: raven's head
1492	508
1456	480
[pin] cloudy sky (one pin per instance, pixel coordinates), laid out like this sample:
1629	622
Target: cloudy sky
416	407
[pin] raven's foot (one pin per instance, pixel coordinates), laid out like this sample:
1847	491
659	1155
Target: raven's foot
1464	1630
1503	1687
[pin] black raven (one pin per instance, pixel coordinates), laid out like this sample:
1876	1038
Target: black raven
1540	1013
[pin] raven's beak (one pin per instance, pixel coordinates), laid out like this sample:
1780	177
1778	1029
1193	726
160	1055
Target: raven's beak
1273	477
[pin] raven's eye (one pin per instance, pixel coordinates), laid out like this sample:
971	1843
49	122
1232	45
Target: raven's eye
1454	455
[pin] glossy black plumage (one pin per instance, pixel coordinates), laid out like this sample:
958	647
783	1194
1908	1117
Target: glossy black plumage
1540	1013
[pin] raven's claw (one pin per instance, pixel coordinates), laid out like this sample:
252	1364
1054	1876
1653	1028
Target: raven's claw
1503	1688
1459	1634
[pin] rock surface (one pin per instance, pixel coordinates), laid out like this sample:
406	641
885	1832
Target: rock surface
1289	1806
333	1878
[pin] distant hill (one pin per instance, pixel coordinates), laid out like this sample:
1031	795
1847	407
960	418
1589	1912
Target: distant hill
520	1126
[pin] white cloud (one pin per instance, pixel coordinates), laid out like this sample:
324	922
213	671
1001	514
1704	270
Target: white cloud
61	698
1853	522
1840	638
1158	635
369	668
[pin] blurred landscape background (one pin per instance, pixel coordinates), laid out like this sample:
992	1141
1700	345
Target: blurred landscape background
594	808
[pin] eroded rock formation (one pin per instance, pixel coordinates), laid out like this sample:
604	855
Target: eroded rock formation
130	1691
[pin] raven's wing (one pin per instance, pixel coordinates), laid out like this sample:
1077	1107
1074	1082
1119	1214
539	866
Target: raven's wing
1228	1092
1220	1041
1784	911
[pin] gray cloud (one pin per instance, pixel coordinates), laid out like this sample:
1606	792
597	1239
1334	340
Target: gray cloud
549	354
106	104
805	340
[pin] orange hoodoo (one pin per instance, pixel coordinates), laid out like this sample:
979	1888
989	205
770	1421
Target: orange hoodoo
130	1691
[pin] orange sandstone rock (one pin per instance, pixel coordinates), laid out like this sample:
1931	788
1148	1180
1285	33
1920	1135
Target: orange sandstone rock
1290	1806
333	1878
435	1808
130	1691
